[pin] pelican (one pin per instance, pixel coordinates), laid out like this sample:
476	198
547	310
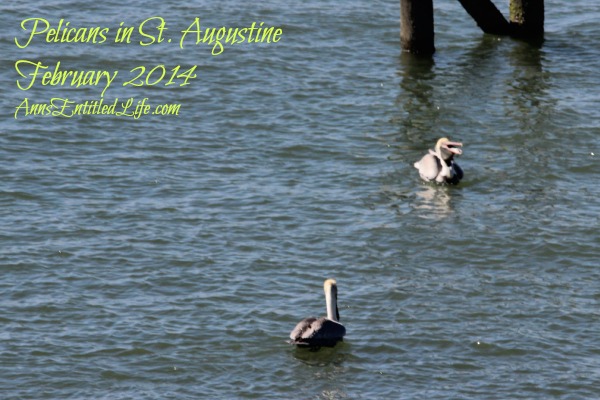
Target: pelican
439	165
325	331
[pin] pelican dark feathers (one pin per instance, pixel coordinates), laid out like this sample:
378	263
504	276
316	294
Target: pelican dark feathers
324	331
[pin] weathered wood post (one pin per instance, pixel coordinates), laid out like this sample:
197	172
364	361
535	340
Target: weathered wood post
487	16
527	19
416	26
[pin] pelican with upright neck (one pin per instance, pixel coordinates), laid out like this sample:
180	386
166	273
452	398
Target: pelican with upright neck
325	331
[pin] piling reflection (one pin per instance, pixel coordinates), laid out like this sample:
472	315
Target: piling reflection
528	86
416	96
531	110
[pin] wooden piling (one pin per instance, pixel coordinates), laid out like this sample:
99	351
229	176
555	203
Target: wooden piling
416	26
417	32
527	19
487	16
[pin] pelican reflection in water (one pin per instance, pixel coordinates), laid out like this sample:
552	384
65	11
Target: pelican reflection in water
325	331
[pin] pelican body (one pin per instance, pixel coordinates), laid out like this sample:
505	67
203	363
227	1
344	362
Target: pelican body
439	165
325	331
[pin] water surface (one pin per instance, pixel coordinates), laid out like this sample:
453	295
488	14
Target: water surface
169	257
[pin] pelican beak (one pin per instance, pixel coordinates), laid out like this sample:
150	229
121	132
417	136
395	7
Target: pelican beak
453	147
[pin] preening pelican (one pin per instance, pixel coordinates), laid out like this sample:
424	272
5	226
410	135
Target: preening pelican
439	165
324	331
